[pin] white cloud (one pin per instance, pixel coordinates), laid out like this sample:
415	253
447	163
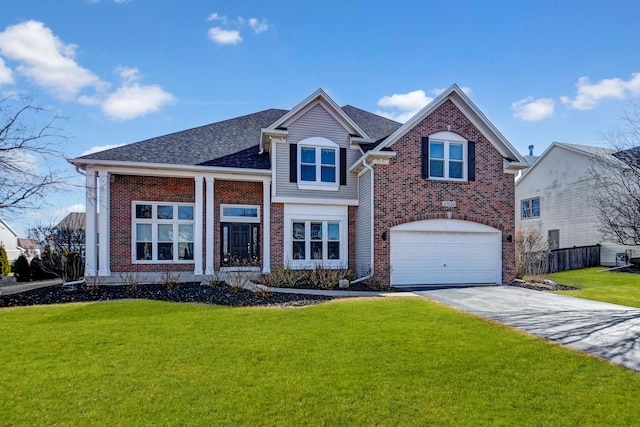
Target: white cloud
222	36
408	104
133	100
46	60
61	213
215	17
98	148
406	101
6	75
532	110
590	94
258	26
128	74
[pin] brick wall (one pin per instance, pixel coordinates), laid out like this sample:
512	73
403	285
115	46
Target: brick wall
402	195
124	189
277	236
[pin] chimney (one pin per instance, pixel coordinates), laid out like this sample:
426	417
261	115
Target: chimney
531	150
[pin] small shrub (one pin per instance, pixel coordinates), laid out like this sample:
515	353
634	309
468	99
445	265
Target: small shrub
22	269
39	270
131	281
93	283
170	280
5	266
213	279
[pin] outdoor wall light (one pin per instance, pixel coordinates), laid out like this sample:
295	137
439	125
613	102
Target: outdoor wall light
509	238
384	235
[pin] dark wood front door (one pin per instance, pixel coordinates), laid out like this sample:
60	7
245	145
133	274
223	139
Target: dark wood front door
239	243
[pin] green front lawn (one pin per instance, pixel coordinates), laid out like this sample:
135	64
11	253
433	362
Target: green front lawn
404	361
608	286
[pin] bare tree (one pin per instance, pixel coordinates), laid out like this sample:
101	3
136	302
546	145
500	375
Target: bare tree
616	177
28	137
532	252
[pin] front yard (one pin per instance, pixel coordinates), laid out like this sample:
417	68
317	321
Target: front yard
609	286
404	361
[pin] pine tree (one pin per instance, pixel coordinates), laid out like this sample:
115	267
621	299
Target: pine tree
5	267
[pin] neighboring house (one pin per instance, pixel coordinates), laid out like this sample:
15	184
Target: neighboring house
9	239
29	248
69	234
430	201
555	197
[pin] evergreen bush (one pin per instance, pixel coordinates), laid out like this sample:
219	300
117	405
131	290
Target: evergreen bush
5	267
22	269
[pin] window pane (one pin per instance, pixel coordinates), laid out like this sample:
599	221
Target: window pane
333	231
185	250
307	155
535	208
185	212
143	211
298	230
436	150
455	170
143	251
307	173
328	174
328	156
298	250
316	231
185	233
333	249
165	251
316	250
165	232
143	232
525	209
455	151
436	168
165	212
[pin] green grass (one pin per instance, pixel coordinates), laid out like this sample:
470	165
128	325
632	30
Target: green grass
608	286
404	361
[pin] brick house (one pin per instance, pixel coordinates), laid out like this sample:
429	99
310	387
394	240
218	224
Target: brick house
430	201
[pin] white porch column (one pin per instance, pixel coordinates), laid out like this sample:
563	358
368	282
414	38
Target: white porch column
209	226
266	226
197	232
90	250
104	261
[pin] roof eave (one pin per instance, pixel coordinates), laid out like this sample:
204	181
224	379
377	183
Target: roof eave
84	163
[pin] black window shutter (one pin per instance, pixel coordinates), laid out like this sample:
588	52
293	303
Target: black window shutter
343	166
425	157
471	161
293	163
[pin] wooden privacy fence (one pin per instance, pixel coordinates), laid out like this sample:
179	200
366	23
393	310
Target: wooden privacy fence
568	259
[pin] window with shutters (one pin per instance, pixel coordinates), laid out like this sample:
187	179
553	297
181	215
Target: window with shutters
448	156
318	164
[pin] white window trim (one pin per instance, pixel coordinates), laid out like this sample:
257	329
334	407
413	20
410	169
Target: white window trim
318	143
316	213
449	138
154	231
243	219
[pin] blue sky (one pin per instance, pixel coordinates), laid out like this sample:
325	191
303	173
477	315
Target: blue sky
124	71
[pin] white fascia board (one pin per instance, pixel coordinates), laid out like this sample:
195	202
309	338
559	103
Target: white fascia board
514	167
164	169
8	227
372	156
309	102
309	201
439	100
267	136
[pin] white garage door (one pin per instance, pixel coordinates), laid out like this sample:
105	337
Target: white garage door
445	252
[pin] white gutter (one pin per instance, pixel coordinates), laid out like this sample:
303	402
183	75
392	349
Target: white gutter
369	276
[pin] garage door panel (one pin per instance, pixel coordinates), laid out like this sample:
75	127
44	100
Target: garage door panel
432	257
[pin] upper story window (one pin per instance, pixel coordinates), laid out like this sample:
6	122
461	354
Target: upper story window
318	162
530	208
448	156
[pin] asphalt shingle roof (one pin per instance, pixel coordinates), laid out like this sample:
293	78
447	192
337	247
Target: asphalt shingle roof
229	143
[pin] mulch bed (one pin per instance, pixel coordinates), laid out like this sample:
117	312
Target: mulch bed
185	292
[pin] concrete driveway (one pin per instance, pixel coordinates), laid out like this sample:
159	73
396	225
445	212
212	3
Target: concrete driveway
608	331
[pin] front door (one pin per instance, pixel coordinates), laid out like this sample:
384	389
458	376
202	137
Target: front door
239	243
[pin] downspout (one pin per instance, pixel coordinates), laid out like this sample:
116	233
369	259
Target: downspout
369	276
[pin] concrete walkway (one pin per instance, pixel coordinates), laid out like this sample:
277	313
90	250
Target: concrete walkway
608	331
17	287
